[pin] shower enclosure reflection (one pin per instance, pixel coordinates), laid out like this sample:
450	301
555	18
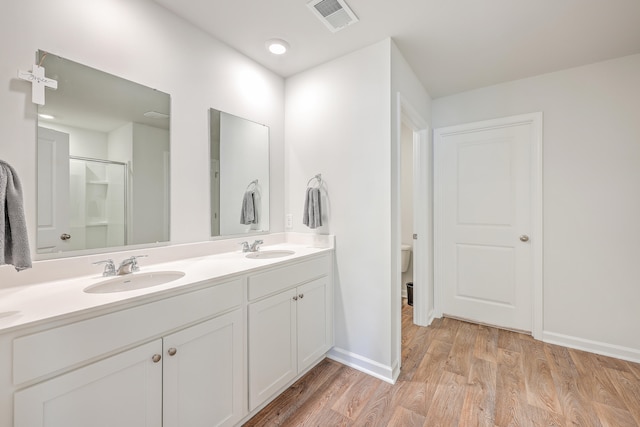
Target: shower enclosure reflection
103	162
98	202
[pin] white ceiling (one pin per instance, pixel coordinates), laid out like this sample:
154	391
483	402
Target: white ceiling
452	45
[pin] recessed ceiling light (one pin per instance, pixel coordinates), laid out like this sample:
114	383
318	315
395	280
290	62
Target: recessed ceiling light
277	46
46	116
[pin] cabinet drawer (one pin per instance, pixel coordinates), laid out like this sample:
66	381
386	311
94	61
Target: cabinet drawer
282	278
55	349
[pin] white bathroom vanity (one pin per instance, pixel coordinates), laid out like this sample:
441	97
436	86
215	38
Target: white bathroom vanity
211	347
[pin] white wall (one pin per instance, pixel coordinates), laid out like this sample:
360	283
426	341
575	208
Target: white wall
140	41
591	195
340	123
82	142
149	174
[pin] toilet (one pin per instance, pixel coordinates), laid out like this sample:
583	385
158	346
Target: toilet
405	257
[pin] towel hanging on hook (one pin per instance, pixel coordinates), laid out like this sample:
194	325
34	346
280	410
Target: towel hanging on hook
312	211
249	210
14	239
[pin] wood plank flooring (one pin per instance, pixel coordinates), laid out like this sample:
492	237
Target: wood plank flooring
461	374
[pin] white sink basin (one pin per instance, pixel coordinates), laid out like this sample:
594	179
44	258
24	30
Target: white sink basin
269	254
134	281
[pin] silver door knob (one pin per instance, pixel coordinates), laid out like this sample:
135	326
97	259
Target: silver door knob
524	238
156	358
172	351
65	236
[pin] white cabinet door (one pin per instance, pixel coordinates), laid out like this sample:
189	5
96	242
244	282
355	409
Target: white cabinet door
124	390
204	375
314	325
272	345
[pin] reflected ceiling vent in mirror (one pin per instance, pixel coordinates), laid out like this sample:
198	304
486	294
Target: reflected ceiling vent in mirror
335	14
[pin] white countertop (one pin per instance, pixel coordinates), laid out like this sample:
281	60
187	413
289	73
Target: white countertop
28	305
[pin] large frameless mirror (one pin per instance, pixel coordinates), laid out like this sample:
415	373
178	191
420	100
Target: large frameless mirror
103	162
239	160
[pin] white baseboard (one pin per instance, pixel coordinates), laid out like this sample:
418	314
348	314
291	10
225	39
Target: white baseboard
363	364
605	349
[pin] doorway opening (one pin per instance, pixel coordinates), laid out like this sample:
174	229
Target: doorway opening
414	213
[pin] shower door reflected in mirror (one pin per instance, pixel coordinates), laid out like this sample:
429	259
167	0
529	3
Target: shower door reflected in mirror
103	162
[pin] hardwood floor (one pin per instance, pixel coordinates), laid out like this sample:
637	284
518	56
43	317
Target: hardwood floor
461	374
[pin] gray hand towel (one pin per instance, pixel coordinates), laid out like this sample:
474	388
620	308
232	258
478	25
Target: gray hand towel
248	212
312	215
14	240
305	210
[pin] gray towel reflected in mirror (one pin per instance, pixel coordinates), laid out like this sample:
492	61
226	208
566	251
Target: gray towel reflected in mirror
249	214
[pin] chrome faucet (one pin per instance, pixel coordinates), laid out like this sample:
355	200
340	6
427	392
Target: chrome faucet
109	267
129	265
254	247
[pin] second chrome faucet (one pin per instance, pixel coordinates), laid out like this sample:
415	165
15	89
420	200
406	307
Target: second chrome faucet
127	266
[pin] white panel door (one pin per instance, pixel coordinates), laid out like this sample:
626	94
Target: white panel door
124	390
484	219
204	374
53	190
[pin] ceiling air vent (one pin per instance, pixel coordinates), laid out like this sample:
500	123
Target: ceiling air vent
335	14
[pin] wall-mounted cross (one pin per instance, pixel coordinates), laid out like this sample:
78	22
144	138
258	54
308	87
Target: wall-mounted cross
39	81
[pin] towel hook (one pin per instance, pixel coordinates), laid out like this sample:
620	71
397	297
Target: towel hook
317	177
254	182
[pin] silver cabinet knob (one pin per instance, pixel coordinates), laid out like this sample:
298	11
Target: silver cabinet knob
524	238
65	236
295	298
172	351
301	296
156	358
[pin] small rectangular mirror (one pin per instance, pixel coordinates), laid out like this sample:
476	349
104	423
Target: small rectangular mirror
103	162
239	161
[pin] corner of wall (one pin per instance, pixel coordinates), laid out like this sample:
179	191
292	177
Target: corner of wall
363	364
